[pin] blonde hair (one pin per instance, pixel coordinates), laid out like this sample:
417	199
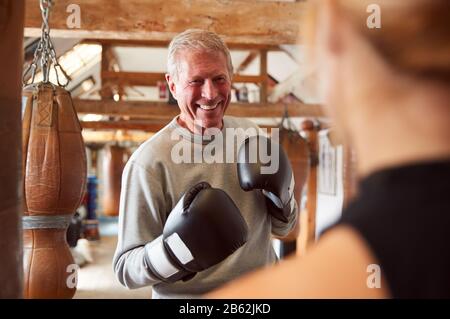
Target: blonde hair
414	34
196	39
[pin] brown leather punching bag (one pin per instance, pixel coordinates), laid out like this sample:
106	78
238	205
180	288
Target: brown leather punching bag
297	150
12	13
54	164
114	160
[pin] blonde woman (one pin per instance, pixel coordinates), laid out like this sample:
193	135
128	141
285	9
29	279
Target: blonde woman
388	91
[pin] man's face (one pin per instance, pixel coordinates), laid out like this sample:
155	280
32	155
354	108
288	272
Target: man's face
202	88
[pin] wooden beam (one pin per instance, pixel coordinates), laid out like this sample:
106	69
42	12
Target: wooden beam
110	62
238	78
302	83
249	21
102	137
165	44
11	169
308	216
133	78
286	87
148	126
107	62
164	111
151	79
263	74
137	109
249	59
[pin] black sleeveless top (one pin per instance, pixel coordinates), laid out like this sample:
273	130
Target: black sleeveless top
404	215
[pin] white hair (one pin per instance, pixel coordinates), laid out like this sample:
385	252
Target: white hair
196	39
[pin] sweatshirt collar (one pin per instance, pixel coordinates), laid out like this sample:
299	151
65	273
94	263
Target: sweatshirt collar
191	137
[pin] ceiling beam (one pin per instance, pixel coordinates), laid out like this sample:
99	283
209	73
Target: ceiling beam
148	126
164	111
250	21
101	137
238	78
165	44
133	78
151	79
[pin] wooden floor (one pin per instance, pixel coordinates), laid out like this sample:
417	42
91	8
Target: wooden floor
97	280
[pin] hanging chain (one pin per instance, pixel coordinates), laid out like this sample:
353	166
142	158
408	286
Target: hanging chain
45	39
286	118
45	55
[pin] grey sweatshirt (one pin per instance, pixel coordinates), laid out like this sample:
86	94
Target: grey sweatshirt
158	173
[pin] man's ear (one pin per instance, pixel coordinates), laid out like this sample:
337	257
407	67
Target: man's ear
172	86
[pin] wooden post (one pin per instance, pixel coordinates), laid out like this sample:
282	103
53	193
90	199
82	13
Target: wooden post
106	90
12	13
308	216
350	175
263	74
114	160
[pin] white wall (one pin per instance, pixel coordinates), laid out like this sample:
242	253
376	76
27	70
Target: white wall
330	184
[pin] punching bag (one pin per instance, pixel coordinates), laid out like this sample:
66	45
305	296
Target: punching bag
297	150
114	160
54	165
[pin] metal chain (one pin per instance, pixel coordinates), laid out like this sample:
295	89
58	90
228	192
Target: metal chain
45	54
286	118
45	39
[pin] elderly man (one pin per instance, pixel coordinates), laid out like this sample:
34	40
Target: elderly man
189	223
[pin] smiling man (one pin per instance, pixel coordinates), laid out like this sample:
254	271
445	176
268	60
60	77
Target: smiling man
187	227
200	81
